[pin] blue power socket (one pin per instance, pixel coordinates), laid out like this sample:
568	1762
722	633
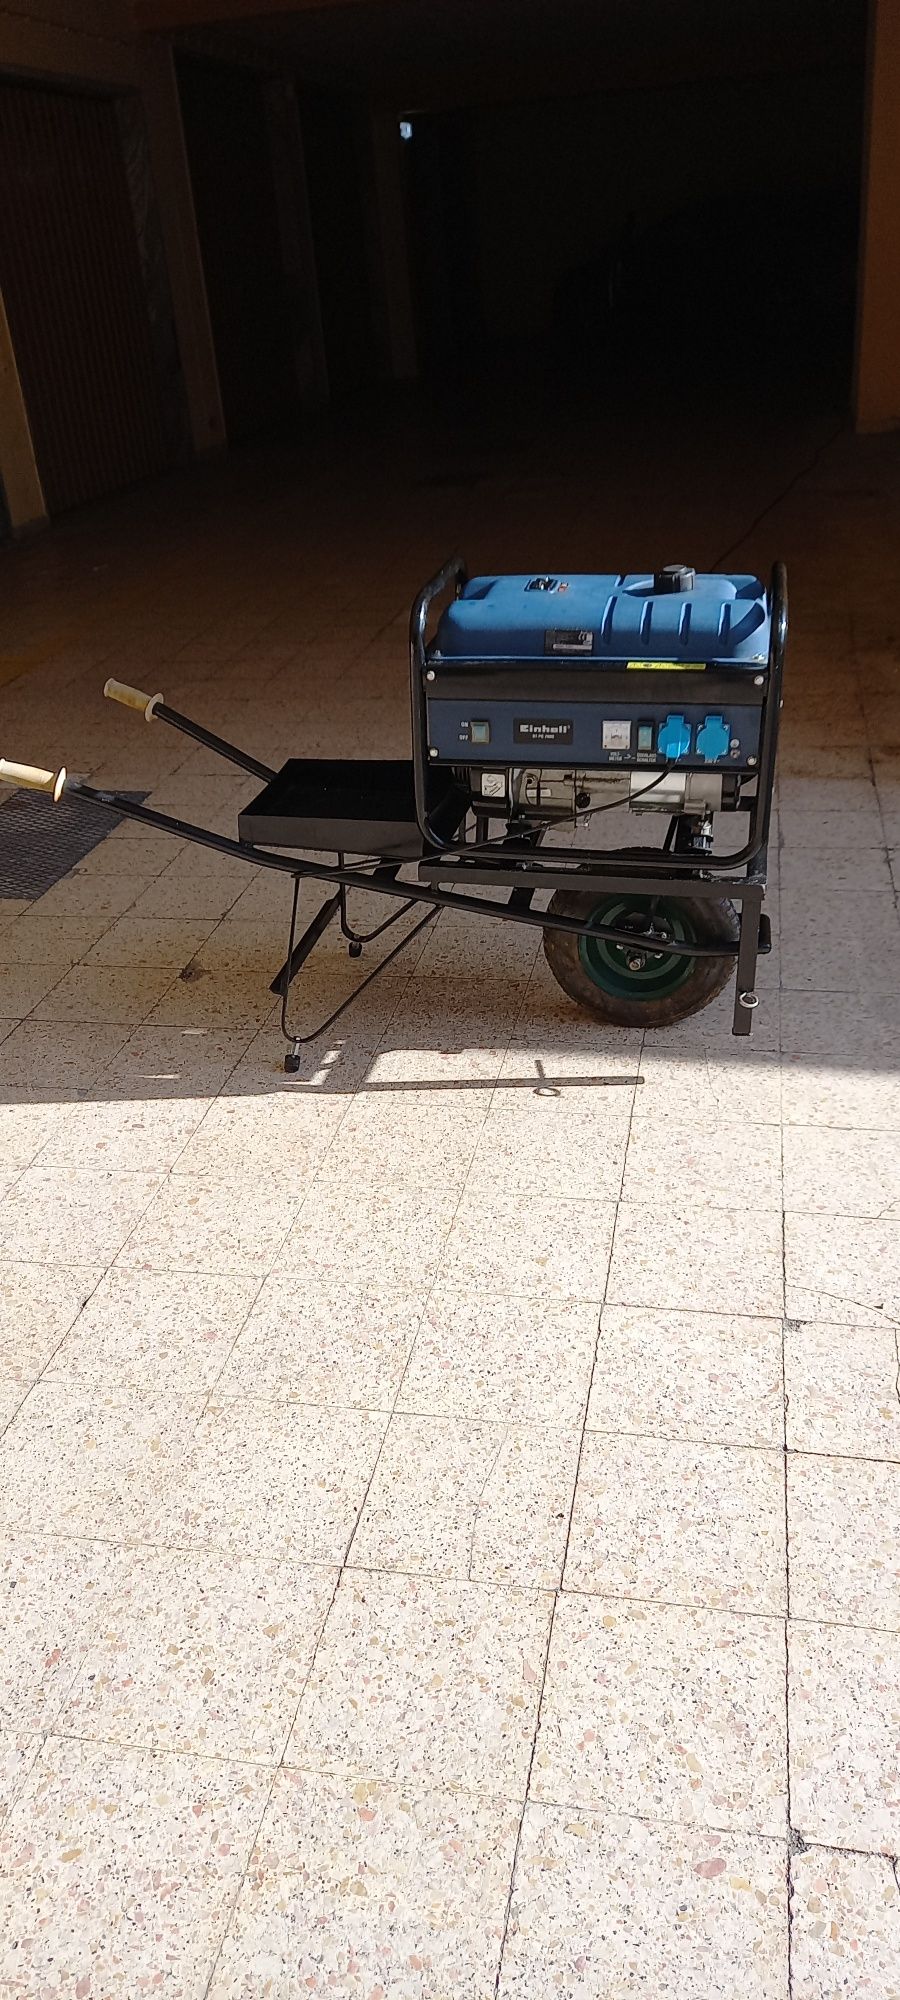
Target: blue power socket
674	739
714	738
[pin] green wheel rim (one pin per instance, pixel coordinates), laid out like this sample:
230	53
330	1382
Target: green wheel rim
607	964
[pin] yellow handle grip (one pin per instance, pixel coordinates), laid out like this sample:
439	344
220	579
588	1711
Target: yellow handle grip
146	704
33	777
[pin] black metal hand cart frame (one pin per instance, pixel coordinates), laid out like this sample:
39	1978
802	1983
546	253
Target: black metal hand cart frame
392	813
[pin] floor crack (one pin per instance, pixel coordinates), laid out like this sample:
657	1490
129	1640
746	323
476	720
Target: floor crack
865	1305
478	1504
789	1877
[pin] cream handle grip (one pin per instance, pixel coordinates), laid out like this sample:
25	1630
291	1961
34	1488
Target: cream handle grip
33	777
146	704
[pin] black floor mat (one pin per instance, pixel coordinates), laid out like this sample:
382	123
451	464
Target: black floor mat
41	840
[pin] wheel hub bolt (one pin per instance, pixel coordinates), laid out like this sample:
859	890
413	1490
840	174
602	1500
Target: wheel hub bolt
636	961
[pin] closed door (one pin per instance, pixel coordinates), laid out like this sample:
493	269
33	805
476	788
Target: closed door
71	278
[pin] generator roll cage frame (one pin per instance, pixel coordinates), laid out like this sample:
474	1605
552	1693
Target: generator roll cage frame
498	864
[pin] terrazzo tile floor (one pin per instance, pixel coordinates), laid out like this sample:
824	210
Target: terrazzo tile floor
450	1500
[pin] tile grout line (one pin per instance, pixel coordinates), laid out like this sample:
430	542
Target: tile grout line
343	1565
507	1914
467	1291
351	1096
136	1026
220	1551
42	1737
69	968
813	1846
342	1569
584	1202
239	1886
447	1417
52	1356
557	1594
435	1280
791	1837
272	1782
422	1788
165	1180
241	1330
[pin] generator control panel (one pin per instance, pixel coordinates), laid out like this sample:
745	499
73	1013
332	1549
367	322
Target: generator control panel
594	735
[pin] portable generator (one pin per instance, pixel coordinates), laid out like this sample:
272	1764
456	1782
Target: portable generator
553	698
537	703
556	692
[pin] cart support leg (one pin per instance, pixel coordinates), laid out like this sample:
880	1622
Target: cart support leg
746	999
301	950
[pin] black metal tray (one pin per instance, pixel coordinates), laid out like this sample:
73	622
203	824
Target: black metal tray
351	806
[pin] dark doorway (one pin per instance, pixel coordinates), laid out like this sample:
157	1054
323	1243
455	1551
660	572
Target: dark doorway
227	138
338	167
71	277
443	236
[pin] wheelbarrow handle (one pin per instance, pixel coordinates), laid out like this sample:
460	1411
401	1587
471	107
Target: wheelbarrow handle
146	704
33	776
155	707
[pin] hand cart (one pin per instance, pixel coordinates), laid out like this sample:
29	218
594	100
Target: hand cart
539	703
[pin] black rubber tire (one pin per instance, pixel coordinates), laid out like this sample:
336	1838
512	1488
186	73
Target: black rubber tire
710	922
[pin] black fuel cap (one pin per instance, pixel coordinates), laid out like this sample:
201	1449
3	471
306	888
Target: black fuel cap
675	576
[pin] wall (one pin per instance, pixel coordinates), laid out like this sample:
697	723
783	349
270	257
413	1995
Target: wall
92	42
877	383
93	39
337	144
556	180
72	40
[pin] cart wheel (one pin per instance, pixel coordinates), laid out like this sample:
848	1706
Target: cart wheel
640	989
292	1064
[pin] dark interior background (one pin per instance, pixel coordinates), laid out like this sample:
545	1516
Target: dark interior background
337	174
652	194
600	203
226	133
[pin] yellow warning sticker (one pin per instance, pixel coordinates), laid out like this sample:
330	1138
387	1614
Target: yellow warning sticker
666	666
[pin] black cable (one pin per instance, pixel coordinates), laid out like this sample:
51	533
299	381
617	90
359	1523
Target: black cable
631	799
579	813
804	472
